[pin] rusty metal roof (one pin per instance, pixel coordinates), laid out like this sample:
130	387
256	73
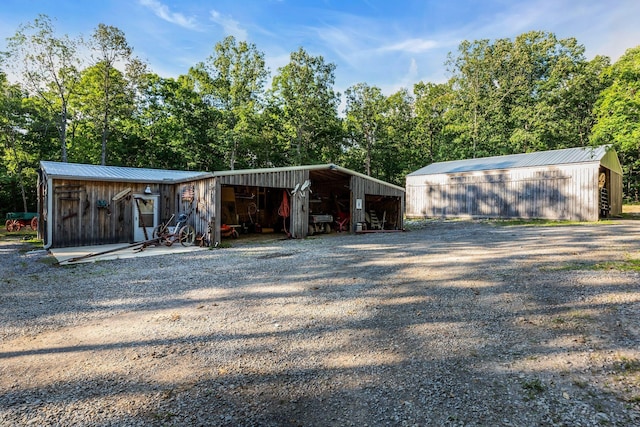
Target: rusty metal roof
79	171
537	159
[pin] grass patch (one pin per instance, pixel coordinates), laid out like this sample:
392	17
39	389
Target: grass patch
534	222
533	387
630	216
223	245
24	234
569	266
629	365
626	265
32	245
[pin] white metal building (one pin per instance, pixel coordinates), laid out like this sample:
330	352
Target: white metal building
582	184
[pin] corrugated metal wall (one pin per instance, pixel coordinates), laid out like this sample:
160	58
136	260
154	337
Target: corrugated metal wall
568	192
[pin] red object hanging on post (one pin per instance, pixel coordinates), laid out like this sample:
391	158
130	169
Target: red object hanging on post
284	210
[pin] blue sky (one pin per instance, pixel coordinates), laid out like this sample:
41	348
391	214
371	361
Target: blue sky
385	43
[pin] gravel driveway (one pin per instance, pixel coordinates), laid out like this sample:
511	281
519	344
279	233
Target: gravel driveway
453	323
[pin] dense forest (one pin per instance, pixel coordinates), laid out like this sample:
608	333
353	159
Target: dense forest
534	92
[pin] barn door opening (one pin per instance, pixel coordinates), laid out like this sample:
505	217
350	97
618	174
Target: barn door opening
145	216
604	203
382	212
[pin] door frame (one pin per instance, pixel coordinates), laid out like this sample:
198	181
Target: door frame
138	232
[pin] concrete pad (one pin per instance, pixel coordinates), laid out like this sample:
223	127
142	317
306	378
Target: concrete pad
116	251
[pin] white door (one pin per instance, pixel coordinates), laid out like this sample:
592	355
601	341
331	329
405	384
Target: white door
145	216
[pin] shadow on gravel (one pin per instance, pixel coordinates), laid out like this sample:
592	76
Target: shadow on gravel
454	324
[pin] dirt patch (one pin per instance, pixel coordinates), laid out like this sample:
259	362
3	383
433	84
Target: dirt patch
453	323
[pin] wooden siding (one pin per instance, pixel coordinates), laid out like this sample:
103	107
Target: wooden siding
361	187
83	212
281	179
78	216
569	193
615	193
200	208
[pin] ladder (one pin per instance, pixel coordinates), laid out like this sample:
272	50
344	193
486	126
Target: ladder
604	202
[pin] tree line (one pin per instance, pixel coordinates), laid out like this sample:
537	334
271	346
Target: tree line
534	92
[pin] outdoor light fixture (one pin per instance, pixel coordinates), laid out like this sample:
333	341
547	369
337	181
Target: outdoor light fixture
147	190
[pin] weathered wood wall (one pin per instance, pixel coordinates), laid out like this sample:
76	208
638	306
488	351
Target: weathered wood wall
281	179
568	193
83	212
200	207
78	215
615	193
361	187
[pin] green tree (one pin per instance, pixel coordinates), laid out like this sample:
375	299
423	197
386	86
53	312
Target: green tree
471	83
14	159
232	79
273	151
98	114
24	125
303	92
393	157
49	68
152	130
430	139
109	46
520	95
555	93
574	102
172	126
364	111
618	116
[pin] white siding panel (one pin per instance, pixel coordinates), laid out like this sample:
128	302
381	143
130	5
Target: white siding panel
557	192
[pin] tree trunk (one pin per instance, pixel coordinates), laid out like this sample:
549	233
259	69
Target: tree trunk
12	141
105	131
105	122
63	131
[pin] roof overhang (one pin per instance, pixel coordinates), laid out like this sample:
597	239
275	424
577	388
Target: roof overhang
322	167
84	172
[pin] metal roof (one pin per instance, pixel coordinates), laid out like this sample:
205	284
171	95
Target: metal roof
123	174
79	171
541	158
322	167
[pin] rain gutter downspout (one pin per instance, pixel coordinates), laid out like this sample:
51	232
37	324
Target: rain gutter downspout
49	230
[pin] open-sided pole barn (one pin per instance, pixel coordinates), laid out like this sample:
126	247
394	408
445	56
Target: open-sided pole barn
253	197
90	205
582	184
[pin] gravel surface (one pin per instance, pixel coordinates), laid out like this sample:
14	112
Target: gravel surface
452	323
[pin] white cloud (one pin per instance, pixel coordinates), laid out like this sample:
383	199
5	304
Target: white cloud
230	26
414	45
406	80
413	69
276	59
163	12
